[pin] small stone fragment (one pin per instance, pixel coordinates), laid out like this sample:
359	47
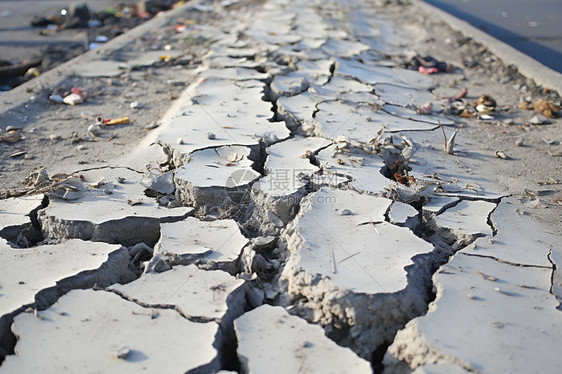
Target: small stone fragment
73	99
137	105
122	352
56	99
538	119
211	136
95	130
501	154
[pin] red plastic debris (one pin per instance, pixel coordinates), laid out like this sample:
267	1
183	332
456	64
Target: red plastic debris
80	92
424	70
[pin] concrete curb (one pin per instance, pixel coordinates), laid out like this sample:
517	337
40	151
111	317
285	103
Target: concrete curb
526	65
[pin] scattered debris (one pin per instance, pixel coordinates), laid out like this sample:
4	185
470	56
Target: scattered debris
151	126
502	155
116	121
95	130
73	99
539	119
122	352
458	96
137	105
17	154
546	108
449	144
12	137
425	109
56	99
428	65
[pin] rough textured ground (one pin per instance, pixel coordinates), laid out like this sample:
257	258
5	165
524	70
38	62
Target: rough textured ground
298	183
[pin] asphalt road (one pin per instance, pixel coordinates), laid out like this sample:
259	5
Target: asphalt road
534	27
19	40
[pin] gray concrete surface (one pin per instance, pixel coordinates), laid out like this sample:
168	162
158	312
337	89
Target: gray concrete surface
297	169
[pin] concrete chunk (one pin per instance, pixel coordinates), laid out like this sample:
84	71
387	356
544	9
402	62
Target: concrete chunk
363	170
216	176
519	238
467	218
99	331
200	294
193	240
128	216
353	269
30	275
270	340
288	169
507	309
233	110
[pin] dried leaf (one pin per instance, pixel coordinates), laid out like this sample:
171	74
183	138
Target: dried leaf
546	108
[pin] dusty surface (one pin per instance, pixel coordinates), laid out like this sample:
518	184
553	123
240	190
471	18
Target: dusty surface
298	169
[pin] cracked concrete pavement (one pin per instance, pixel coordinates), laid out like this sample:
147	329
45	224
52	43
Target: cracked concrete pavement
294	210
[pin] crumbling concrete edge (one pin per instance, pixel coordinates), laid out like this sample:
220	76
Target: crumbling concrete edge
526	65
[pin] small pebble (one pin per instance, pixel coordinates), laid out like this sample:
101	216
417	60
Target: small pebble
95	130
501	154
122	352
538	119
56	98
211	136
179	141
346	212
73	99
137	105
152	125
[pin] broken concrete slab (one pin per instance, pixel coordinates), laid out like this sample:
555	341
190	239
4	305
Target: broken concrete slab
101	331
507	309
15	211
289	84
16	227
402	214
128	216
467	219
362	170
382	75
518	238
271	340
216	176
343	48
402	96
319	251
41	274
234	112
211	243
358	122
316	72
348	269
199	295
438	204
288	169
